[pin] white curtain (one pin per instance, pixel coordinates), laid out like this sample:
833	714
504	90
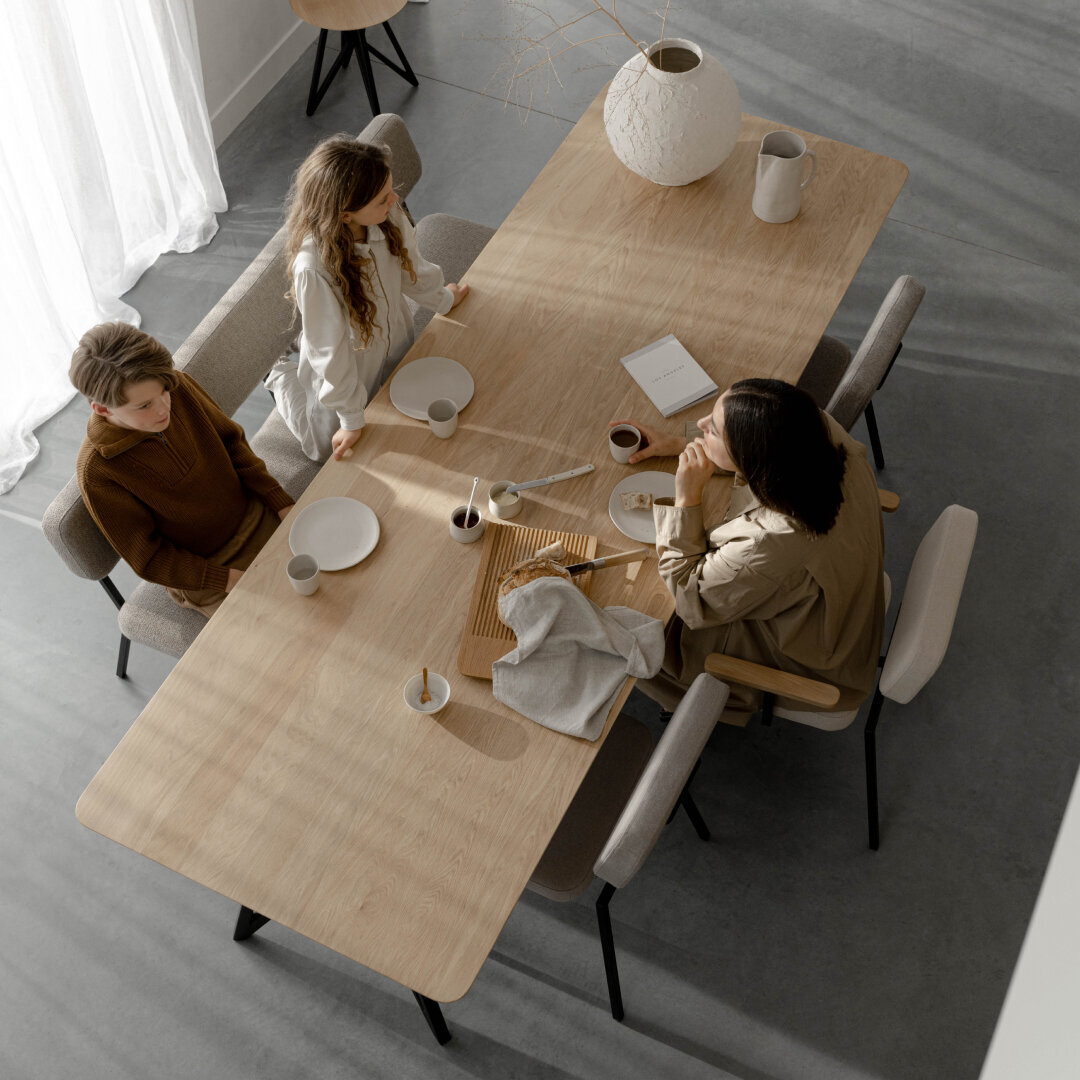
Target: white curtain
106	161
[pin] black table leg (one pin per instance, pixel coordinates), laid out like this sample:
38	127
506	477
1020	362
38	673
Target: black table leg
434	1017
247	923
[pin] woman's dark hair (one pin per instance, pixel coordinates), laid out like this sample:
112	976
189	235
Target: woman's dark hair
778	438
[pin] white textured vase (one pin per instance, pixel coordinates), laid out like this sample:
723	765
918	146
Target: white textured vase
672	127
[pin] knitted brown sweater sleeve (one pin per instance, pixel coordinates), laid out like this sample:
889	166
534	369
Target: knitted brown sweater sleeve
249	466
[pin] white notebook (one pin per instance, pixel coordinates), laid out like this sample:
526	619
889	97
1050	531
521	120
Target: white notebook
671	377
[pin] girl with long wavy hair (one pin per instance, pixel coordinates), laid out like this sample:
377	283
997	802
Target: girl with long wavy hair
353	259
792	575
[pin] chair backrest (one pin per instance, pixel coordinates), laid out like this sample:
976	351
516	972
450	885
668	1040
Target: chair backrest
875	355
658	789
928	609
388	129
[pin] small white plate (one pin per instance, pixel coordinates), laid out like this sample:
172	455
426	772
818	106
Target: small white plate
338	531
423	381
638	524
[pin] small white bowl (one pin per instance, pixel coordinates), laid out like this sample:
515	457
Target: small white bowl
438	688
510	507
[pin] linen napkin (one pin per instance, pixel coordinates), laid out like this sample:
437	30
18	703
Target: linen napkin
572	656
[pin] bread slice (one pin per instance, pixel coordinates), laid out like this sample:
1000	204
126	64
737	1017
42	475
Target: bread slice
635	500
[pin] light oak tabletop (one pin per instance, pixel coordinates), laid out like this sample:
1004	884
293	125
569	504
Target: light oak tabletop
278	763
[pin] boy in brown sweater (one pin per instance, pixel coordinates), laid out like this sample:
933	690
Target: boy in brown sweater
167	476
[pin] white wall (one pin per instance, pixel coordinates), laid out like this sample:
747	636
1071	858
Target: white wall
245	47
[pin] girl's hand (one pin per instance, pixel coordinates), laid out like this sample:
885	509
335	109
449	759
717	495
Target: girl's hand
653	443
460	292
695	468
343	442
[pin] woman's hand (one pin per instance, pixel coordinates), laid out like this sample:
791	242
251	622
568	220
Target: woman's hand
695	468
653	443
343	442
460	292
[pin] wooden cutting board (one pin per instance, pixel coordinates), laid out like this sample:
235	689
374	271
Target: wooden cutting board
485	637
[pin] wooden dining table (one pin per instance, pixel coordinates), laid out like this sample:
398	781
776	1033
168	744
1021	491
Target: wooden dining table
278	764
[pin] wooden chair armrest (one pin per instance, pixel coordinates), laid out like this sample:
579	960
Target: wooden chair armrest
781	683
889	500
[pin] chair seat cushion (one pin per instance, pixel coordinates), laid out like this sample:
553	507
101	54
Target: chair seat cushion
565	870
280	450
150	617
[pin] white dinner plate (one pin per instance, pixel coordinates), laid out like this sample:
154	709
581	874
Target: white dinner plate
638	524
423	381
338	531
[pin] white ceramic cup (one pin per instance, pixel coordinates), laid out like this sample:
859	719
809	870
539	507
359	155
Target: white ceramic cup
632	438
500	504
438	688
467	534
303	571
442	417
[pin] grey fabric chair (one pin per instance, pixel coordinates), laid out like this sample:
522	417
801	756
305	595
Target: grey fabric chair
229	353
844	385
632	789
919	640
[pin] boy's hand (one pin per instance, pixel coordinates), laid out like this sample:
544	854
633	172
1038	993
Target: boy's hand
234	579
343	442
283	513
653	443
695	468
460	292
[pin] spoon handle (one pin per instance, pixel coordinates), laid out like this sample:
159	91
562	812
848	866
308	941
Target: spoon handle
580	471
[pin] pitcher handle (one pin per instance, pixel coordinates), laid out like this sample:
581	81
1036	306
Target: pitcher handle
813	168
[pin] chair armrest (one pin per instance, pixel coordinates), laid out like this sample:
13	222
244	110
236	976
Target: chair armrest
890	501
782	683
74	534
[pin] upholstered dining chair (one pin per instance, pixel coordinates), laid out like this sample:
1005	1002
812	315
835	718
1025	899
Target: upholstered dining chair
844	385
229	353
633	788
919	640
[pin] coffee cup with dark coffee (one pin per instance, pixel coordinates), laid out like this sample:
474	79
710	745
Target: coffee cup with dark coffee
624	440
466	529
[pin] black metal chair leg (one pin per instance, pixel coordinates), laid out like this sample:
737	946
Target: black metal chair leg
686	801
870	746
318	90
434	1017
405	71
122	657
607	943
875	439
113	593
767	702
247	922
365	70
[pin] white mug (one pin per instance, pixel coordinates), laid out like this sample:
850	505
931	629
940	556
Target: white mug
632	437
781	163
303	572
442	417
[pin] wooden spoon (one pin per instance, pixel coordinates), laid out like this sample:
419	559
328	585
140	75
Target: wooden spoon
425	697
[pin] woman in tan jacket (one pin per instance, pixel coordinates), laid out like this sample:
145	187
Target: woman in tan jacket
792	576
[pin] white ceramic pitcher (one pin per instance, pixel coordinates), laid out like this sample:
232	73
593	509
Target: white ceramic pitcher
780	166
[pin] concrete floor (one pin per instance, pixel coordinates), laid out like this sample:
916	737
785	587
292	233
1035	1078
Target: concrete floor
783	949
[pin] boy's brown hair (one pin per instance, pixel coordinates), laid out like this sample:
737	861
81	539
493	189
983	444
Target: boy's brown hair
112	356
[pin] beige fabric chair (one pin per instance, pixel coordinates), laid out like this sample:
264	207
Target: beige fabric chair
844	385
631	791
229	353
919	640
